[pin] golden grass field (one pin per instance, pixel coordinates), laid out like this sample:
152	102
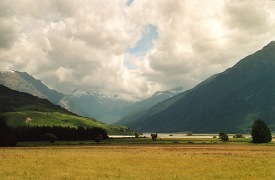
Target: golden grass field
150	161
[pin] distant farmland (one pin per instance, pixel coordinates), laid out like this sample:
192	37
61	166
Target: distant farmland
147	161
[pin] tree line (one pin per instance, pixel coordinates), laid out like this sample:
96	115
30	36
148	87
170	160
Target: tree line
37	133
9	136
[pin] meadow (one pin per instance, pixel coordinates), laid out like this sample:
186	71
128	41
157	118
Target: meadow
138	160
37	118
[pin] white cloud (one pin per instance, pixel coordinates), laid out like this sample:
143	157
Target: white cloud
85	44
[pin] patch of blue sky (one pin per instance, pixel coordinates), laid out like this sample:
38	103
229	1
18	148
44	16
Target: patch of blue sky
150	33
129	2
129	64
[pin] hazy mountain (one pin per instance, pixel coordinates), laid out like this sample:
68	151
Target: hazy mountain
142	106
105	108
229	101
22	109
23	82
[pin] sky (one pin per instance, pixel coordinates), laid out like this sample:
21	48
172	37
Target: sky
130	48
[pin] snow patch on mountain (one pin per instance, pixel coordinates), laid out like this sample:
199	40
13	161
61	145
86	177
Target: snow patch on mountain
169	93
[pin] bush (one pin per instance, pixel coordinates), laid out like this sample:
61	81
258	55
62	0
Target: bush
189	134
260	132
223	136
238	135
50	137
98	139
154	136
137	135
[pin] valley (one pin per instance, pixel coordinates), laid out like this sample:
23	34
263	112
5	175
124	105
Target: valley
229	101
137	90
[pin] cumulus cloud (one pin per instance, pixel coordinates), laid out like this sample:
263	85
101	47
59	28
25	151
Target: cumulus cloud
92	45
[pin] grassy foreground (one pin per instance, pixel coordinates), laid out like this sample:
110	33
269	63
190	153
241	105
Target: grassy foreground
133	161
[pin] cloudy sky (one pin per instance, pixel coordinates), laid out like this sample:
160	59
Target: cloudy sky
130	47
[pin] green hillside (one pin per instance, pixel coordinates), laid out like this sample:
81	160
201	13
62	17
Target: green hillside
22	109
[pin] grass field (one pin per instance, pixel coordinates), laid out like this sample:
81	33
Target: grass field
139	161
36	118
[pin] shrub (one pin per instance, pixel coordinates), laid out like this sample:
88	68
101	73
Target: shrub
260	132
137	135
238	135
154	136
189	134
50	137
223	136
98	139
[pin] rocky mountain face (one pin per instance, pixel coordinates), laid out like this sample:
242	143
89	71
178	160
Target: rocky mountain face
229	101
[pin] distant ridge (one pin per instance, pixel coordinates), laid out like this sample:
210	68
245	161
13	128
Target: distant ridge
142	106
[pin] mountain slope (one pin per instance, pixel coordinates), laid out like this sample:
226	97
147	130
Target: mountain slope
228	101
137	110
23	82
24	109
107	109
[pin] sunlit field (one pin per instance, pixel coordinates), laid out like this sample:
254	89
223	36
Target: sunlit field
136	161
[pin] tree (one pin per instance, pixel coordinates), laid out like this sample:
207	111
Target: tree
98	139
50	137
137	135
154	136
260	132
223	136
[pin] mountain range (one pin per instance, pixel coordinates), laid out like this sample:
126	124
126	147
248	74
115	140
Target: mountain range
93	105
229	101
105	108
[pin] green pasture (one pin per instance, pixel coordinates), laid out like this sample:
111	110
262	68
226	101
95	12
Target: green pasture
38	118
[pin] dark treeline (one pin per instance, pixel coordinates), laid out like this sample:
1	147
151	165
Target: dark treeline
9	136
37	133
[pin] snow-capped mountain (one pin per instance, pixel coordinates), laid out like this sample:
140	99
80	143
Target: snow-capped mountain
167	93
105	108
